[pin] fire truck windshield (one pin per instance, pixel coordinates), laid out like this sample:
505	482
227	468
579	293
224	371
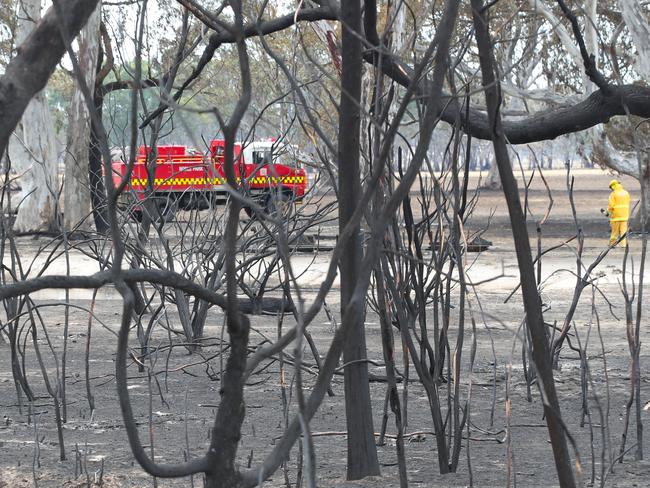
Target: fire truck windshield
262	157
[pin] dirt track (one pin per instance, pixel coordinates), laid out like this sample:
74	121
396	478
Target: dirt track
190	396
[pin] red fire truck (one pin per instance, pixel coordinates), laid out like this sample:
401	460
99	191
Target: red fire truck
187	179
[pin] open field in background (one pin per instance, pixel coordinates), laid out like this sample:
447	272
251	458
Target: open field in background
590	194
184	392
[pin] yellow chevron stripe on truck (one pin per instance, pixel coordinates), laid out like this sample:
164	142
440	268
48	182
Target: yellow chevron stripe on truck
158	182
257	180
286	180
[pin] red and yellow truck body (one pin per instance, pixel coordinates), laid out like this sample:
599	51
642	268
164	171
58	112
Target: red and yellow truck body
192	178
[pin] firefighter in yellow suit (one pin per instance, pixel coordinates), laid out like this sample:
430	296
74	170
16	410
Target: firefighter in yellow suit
618	211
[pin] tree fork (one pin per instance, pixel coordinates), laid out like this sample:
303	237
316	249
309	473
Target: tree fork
532	303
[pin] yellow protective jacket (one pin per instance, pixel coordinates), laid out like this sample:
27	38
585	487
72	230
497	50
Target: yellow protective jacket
618	207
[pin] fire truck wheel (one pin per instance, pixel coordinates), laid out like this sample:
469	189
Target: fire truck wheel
135	214
167	208
280	205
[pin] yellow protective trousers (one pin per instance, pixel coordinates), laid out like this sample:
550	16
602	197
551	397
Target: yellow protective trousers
619	228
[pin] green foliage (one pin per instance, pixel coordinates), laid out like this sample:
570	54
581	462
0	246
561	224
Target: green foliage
59	93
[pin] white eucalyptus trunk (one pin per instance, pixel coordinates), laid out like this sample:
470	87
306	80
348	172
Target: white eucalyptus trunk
33	148
327	36
563	34
399	38
635	18
492	181
604	154
77	202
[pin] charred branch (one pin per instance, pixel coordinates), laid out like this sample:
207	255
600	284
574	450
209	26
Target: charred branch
225	35
127	85
531	299
588	59
597	108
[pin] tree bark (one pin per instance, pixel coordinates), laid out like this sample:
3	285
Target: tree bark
36	59
362	452
492	180
77	202
98	194
635	19
532	302
95	178
33	148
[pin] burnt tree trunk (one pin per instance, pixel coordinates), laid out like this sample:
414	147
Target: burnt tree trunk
97	188
362	452
532	302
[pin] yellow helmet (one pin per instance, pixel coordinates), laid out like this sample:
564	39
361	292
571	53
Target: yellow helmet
613	183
